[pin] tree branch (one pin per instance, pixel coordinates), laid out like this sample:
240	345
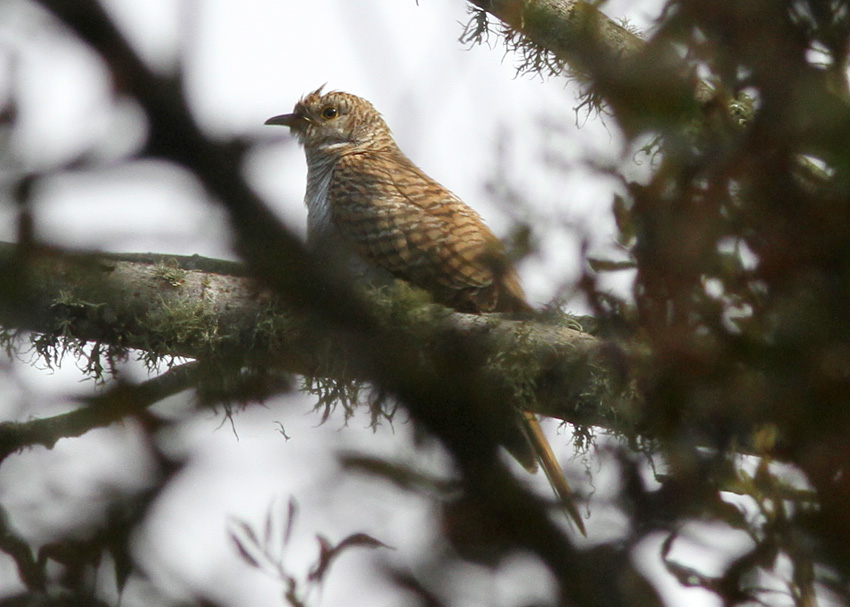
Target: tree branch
646	84
98	412
205	309
564	27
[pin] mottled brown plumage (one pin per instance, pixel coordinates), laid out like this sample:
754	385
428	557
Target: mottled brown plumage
367	192
375	210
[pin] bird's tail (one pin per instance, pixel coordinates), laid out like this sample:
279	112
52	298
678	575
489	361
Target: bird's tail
552	469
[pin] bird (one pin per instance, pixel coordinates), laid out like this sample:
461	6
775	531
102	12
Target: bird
371	208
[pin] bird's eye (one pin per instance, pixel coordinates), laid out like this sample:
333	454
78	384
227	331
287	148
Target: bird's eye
330	112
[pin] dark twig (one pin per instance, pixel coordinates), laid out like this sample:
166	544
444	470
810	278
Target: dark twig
31	572
116	403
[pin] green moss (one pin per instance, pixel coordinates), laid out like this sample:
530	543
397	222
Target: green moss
95	359
533	58
409	310
9	339
179	322
518	368
276	327
403	308
170	272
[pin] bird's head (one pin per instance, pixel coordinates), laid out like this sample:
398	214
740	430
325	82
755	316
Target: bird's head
336	122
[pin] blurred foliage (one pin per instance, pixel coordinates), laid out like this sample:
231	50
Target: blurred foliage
738	328
267	549
735	339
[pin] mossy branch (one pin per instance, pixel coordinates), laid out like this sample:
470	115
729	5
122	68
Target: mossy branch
561	27
646	84
165	306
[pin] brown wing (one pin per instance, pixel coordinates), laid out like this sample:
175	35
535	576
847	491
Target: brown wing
400	219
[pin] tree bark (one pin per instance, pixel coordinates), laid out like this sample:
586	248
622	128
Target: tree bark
207	309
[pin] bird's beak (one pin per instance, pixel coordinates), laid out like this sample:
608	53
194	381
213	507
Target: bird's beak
289	120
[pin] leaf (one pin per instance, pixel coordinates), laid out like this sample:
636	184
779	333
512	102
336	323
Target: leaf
607	265
327	552
401	475
246	542
624	219
123	564
292	514
269	527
